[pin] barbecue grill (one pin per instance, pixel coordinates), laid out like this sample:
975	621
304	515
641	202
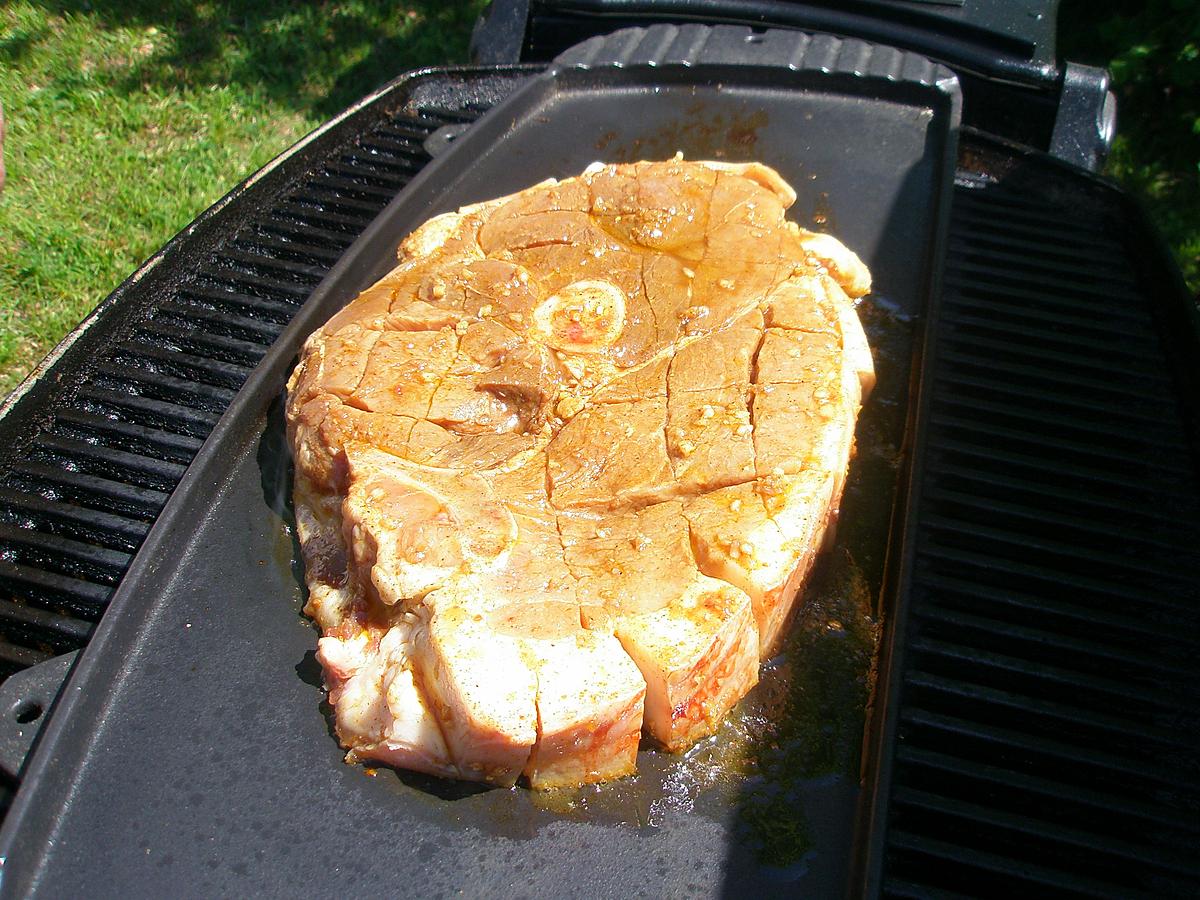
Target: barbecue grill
1035	717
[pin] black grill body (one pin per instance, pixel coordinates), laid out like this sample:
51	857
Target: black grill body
1035	723
1039	718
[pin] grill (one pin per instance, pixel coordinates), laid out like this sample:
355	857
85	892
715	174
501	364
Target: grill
1037	717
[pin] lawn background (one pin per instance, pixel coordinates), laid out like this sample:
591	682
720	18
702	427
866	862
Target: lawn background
127	119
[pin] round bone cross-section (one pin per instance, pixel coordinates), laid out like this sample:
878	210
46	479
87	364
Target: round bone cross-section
560	474
583	317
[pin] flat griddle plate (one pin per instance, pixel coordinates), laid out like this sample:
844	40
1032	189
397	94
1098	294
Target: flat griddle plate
191	751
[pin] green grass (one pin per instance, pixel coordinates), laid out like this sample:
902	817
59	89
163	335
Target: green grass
125	120
1152	51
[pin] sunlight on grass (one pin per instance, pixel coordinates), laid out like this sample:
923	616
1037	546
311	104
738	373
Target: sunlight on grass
1152	50
126	120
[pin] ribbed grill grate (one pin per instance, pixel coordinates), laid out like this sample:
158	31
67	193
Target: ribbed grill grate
76	505
1050	681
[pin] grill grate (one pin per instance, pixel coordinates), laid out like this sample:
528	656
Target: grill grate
1047	719
76	504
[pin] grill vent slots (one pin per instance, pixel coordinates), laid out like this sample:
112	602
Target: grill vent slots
75	508
1050	660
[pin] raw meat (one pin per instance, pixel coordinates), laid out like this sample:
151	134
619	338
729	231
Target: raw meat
560	474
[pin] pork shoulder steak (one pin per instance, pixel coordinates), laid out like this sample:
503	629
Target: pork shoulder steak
560	473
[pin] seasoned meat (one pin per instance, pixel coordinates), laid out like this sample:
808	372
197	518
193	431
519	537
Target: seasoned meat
560	474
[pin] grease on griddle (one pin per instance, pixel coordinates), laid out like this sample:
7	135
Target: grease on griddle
802	723
809	711
822	214
701	134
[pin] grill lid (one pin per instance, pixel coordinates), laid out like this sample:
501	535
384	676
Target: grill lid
1003	52
994	37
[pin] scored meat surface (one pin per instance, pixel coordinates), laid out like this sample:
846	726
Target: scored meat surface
560	474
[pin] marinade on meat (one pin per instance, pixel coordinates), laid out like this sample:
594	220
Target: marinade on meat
560	473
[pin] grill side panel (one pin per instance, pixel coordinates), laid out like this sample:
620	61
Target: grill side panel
1048	708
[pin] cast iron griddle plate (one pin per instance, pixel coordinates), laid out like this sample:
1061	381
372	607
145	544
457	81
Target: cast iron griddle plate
191	752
